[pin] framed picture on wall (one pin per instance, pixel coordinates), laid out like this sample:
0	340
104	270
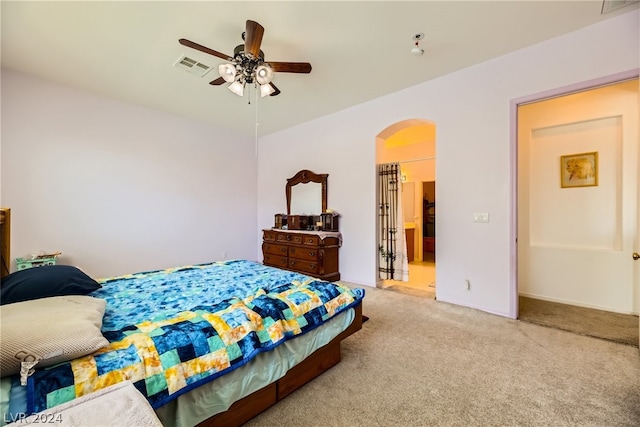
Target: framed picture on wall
579	170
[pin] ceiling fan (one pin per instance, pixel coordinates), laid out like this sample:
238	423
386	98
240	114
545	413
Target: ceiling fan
247	65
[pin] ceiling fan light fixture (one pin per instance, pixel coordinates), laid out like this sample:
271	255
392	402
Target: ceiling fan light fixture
237	88
264	74
247	65
266	90
227	72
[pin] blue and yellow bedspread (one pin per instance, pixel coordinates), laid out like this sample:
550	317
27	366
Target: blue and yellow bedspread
173	330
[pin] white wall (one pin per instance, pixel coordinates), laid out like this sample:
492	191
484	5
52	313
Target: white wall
470	109
120	188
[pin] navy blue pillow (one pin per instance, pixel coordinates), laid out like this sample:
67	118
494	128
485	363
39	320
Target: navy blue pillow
45	281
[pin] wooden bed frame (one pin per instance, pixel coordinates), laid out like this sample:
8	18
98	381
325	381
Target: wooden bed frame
5	241
317	363
248	407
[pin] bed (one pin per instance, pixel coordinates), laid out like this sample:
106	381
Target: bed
5	241
244	336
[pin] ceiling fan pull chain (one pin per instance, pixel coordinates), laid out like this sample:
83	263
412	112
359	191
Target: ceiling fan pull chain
256	130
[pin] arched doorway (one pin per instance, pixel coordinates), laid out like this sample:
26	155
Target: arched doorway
412	143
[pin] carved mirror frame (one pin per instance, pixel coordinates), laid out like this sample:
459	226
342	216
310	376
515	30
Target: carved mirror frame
303	177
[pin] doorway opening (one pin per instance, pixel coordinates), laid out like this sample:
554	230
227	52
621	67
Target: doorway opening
411	143
576	234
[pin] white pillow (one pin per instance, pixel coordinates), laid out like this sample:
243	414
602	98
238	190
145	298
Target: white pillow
50	330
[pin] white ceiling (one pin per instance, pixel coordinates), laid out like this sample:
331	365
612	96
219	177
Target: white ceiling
359	50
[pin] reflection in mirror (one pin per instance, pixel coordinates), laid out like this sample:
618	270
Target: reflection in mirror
307	193
306	199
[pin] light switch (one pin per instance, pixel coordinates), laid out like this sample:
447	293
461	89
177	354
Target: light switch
481	217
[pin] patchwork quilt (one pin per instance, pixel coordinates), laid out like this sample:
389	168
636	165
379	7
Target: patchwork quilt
173	330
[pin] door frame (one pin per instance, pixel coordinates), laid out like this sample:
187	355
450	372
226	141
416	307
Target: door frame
513	138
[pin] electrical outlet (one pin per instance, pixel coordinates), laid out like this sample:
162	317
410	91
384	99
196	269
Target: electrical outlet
467	285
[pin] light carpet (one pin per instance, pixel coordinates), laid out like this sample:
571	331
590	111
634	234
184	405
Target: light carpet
420	362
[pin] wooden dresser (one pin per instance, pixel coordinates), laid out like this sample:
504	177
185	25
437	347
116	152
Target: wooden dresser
314	253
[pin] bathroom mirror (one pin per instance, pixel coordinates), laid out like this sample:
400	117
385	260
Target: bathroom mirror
307	193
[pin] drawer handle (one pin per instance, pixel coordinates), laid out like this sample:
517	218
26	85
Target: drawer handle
292	263
312	254
313	266
283	249
310	240
283	261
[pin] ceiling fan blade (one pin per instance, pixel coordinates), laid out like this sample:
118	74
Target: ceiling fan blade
217	81
290	67
277	91
253	38
204	49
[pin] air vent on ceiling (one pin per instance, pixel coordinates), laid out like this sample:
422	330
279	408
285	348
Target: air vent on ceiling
611	5
192	66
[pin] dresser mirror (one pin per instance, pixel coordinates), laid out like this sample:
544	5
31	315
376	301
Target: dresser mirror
307	193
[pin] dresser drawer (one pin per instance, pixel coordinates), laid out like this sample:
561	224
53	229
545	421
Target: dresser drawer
309	254
303	266
293	238
284	237
275	260
310	240
269	235
274	249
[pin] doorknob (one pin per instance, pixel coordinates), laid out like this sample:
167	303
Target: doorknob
636	256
